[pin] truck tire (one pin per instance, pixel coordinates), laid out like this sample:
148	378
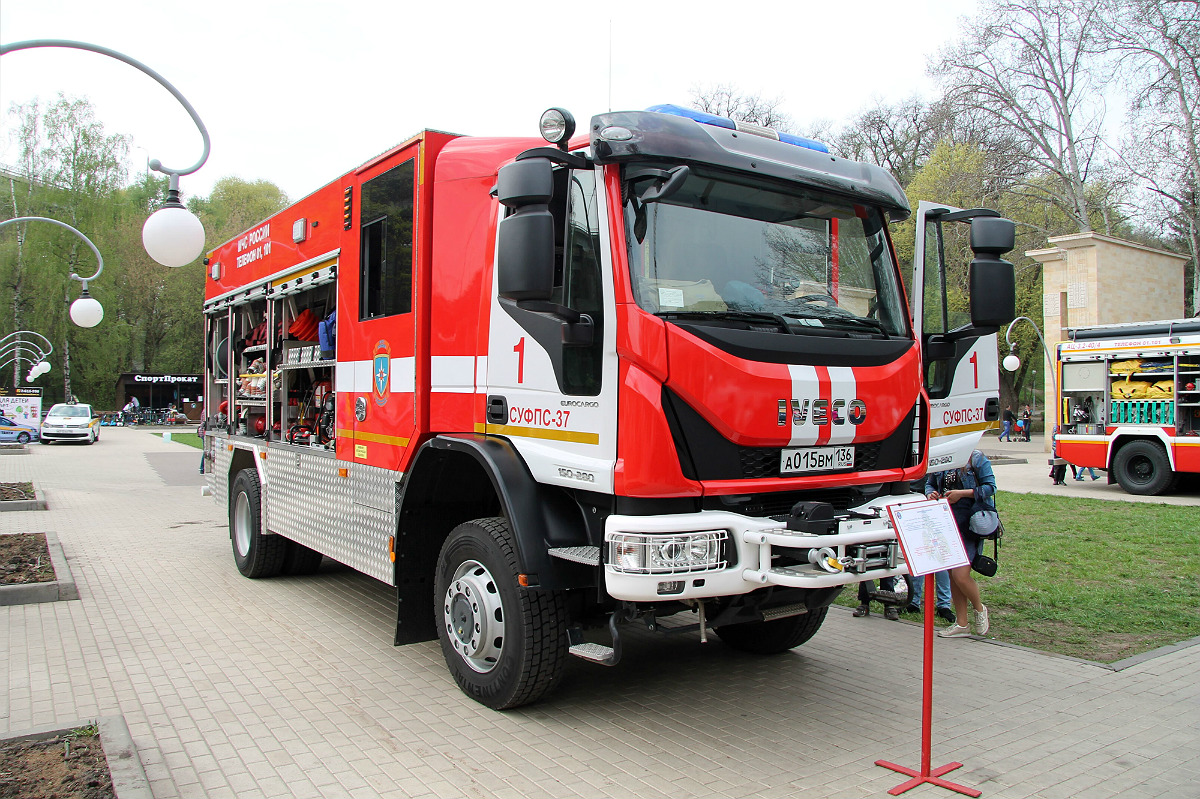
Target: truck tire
1141	467
775	636
299	560
255	554
505	645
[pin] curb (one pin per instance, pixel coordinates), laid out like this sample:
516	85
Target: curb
21	450
128	777
61	589
37	503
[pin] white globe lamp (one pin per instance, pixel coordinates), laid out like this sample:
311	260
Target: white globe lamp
173	236
1011	362
87	311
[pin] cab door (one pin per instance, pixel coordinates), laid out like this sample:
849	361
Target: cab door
961	369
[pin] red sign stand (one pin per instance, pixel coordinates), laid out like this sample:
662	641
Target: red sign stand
925	774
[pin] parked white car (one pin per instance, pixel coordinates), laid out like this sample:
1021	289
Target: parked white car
71	422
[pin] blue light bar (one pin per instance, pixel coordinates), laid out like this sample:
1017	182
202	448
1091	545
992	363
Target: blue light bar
723	122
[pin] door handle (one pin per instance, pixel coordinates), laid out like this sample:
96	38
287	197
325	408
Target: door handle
497	409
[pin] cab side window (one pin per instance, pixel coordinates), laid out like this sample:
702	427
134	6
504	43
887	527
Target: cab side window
578	284
386	257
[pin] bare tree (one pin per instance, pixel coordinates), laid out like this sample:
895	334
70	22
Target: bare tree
1030	68
727	100
1158	45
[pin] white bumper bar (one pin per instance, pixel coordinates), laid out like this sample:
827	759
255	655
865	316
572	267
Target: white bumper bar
750	562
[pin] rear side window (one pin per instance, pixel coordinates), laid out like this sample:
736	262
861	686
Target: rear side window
387	243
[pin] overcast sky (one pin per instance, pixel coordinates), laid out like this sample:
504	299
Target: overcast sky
301	92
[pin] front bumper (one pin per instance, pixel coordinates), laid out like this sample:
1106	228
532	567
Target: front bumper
760	552
67	434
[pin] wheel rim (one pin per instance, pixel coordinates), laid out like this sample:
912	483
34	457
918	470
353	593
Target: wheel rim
474	616
23	438
242	524
1141	469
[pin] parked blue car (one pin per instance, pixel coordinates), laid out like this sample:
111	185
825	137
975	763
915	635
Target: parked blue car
11	431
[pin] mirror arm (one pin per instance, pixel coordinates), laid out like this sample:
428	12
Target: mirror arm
557	156
577	327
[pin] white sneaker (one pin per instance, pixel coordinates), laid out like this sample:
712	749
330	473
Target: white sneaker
954	631
979	620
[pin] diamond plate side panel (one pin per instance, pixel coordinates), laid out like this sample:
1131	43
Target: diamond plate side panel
309	502
218	474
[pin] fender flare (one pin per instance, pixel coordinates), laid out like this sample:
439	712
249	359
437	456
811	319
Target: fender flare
540	516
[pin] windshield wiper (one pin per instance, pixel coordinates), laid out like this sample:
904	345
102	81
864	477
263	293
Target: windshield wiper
743	316
841	318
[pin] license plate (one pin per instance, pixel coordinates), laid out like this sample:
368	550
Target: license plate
815	459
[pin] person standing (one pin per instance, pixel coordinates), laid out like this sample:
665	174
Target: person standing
1026	422
1010	419
886	597
963	488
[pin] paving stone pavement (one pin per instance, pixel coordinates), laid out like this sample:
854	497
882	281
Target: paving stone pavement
291	687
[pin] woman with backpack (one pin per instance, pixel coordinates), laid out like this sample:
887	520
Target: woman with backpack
967	489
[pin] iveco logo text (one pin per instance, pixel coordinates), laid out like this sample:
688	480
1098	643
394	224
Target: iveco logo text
823	412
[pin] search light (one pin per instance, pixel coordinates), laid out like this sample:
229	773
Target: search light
557	126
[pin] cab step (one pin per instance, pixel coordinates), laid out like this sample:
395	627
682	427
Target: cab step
589	556
597	653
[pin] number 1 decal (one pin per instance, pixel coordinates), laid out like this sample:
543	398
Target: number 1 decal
974	362
519	349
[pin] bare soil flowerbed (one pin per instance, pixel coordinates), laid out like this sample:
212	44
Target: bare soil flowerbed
69	765
24	558
16	491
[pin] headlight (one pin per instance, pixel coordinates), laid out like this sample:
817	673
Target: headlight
667	554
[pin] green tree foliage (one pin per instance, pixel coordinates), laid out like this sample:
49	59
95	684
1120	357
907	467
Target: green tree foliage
72	170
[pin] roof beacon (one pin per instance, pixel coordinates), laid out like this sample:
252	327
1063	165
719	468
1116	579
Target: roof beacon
732	124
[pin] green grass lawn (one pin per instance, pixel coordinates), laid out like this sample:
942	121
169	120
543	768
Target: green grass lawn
1093	579
191	439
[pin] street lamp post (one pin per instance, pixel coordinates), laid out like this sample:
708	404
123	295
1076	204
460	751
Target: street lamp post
23	345
1012	362
85	311
172	235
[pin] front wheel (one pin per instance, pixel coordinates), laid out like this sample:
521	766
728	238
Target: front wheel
505	645
1142	467
775	636
22	438
255	554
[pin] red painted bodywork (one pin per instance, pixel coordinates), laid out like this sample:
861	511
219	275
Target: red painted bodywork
454	251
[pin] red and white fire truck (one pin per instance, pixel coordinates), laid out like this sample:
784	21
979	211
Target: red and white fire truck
550	388
1130	401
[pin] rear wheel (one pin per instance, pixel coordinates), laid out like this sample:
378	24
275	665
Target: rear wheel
505	645
1142	467
255	554
300	560
775	636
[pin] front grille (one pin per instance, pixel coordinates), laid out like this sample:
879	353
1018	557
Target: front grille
780	503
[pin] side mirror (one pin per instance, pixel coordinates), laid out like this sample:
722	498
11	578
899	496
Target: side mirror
525	245
993	281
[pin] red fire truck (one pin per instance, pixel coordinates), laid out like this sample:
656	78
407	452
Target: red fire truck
550	388
1130	402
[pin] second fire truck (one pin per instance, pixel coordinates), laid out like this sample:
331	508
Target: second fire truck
547	389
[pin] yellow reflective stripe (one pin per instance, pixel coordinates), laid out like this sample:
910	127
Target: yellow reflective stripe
375	438
280	281
537	432
963	428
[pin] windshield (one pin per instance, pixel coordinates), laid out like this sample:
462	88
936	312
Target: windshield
71	410
730	249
